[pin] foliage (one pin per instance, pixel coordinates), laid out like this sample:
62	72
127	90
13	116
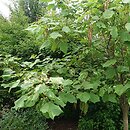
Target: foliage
102	29
26	119
15	40
101	116
94	36
33	9
6	62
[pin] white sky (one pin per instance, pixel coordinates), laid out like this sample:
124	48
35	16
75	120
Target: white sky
4	10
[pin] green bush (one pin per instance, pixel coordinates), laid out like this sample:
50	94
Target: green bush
27	119
101	117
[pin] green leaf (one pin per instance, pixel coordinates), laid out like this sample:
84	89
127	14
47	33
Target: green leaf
56	80
67	82
66	29
50	95
59	101
63	47
31	100
123	69
67	97
125	36
127	26
109	98
109	63
14	85
87	85
20	102
54	46
94	98
120	89
114	32
101	92
52	109
55	35
83	96
110	73
101	25
108	14
41	88
46	44
126	1
84	107
112	98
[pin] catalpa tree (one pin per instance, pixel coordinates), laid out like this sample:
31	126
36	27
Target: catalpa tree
94	35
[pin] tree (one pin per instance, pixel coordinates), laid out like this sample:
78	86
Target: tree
33	9
94	36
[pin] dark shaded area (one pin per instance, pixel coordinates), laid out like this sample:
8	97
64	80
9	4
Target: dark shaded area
63	124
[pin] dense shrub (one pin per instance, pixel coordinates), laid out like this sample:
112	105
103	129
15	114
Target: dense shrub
101	117
28	119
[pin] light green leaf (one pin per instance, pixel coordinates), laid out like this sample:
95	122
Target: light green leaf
8	71
50	95
120	89
66	29
67	97
127	26
126	1
11	85
59	101
67	82
20	102
125	36
114	32
63	47
101	25
54	46
41	88
31	100
55	35
94	98
109	63
83	96
14	85
46	44
52	109
56	80
108	14
87	85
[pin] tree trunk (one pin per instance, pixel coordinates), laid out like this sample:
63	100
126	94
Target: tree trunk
125	111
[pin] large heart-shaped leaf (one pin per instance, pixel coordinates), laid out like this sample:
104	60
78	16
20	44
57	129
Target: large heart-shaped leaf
55	35
52	109
83	96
